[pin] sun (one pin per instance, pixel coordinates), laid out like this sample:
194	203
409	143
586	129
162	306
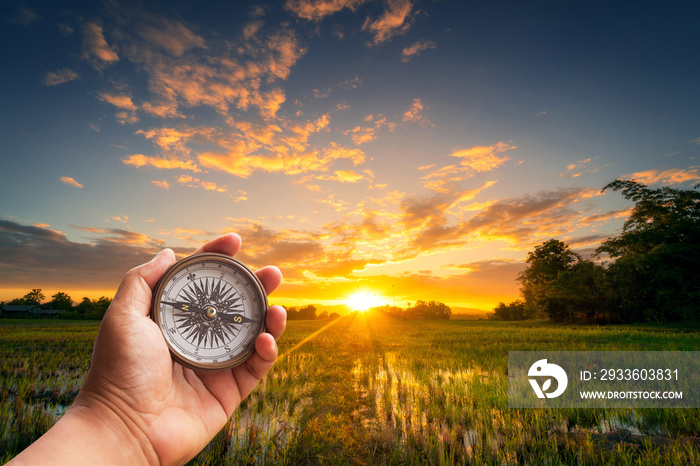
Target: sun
361	301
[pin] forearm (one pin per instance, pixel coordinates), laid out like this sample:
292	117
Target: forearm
88	434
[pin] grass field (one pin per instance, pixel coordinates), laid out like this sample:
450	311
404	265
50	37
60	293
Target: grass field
370	389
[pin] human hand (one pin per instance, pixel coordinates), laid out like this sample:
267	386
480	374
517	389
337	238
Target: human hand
137	397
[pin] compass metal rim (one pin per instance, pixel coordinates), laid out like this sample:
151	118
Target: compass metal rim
176	268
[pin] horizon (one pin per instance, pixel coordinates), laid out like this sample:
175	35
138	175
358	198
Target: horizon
401	150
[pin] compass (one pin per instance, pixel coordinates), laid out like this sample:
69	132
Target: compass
211	309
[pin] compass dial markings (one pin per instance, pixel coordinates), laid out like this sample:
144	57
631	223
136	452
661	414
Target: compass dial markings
210	310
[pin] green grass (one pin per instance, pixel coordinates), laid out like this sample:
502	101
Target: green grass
373	389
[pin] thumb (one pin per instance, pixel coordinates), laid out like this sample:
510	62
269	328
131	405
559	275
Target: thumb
136	288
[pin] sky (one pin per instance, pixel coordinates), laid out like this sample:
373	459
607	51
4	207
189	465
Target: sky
393	149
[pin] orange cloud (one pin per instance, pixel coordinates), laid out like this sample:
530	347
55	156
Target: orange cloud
483	158
666	177
161	184
523	221
140	160
348	176
121	101
161	109
170	35
242	76
415	49
415	115
197	183
280	158
172	141
54	78
475	160
211	186
316	10
70	181
396	19
95	48
362	134
580	168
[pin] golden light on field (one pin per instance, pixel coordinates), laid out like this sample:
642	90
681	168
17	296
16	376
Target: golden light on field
361	301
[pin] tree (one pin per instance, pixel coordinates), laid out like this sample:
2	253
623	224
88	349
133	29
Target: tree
545	264
34	297
428	310
656	272
84	306
62	301
308	312
583	293
100	306
512	311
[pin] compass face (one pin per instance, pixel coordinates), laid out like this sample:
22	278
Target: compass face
210	308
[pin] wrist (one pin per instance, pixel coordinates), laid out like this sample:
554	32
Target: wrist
117	437
91	432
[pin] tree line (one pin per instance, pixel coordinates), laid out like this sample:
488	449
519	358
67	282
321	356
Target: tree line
309	313
86	309
420	310
652	275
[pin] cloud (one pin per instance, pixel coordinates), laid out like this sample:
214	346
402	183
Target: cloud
250	29
292	251
169	35
96	50
282	146
415	114
173	141
666	177
528	219
124	102
185	70
348	176
65	29
342	176
70	181
24	16
140	160
396	19
161	184
243	165
316	10
483	158
54	78
361	134
318	94
414	50
581	168
605	216
37	257
521	221
354	83
474	160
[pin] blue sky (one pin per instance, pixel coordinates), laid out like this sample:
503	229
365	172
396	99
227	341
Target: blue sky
359	145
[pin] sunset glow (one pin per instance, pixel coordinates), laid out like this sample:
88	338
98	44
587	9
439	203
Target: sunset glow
362	301
418	149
